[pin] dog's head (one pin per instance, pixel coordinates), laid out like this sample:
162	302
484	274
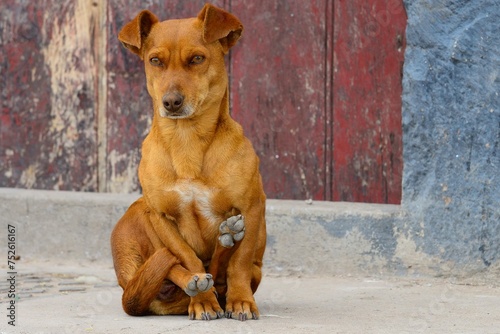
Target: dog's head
184	59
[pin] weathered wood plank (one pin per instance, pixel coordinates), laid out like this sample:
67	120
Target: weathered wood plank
369	40
278	92
48	128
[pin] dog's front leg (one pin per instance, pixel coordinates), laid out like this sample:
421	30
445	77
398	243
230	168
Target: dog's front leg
244	271
169	235
204	305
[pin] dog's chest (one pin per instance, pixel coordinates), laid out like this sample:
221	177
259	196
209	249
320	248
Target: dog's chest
196	200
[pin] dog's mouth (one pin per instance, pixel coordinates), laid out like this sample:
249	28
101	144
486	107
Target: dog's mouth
184	112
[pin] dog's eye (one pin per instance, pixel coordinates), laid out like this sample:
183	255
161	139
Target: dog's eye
197	60
155	61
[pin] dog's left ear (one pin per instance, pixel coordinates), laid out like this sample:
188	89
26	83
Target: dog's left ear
220	25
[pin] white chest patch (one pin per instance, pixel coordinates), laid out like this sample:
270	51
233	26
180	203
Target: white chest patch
199	195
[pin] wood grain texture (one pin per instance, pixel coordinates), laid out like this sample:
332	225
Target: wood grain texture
277	87
367	134
48	95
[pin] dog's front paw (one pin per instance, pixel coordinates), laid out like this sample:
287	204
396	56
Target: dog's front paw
199	283
232	230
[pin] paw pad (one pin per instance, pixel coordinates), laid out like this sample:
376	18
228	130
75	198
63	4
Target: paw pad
199	284
232	230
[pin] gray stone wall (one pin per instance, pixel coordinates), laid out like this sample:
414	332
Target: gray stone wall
451	126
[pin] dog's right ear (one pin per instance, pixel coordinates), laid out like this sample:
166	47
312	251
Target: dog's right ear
220	25
135	32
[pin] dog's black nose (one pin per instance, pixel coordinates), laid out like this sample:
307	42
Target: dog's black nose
173	101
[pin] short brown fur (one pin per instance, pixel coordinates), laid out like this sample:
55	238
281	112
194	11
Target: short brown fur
197	170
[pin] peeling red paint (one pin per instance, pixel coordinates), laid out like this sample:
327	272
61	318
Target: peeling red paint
31	154
369	53
277	89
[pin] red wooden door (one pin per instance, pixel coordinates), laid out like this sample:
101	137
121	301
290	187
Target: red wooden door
317	87
47	124
315	84
367	135
278	93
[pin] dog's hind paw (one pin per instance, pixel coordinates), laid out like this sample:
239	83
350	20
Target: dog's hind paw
199	283
232	230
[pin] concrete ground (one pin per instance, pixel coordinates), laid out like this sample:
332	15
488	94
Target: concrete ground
330	268
84	298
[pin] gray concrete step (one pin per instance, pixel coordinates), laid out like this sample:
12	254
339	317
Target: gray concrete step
303	238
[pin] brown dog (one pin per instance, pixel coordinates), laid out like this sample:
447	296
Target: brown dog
199	230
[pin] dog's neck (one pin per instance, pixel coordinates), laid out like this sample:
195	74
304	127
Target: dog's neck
187	140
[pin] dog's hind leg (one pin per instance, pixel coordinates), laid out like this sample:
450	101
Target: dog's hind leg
151	278
146	283
231	231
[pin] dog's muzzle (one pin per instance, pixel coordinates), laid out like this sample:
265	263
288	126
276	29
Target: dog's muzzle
173	106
